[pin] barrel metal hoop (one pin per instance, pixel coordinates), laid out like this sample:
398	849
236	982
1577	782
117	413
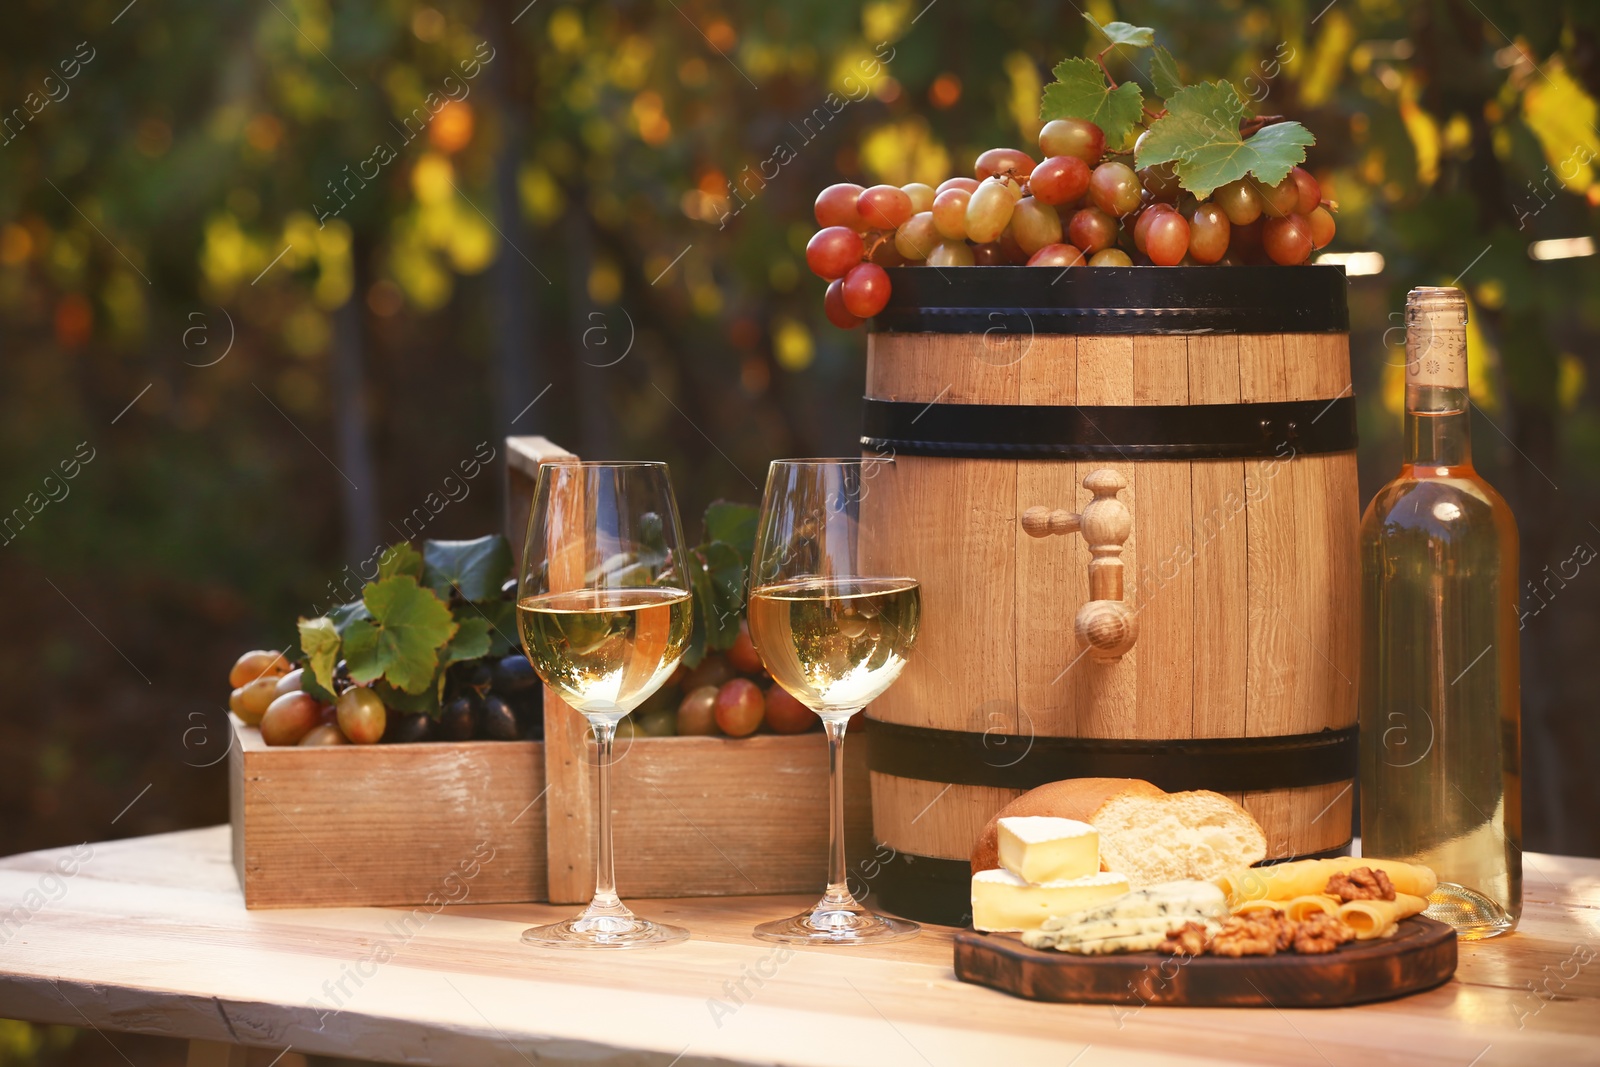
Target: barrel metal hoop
1283	429
1024	301
934	890
1010	761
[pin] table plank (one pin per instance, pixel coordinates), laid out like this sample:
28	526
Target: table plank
151	935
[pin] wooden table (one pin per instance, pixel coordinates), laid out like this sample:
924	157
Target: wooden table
151	935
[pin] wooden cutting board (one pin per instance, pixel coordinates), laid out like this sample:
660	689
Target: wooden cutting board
1421	955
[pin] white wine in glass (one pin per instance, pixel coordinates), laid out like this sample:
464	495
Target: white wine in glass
605	614
835	634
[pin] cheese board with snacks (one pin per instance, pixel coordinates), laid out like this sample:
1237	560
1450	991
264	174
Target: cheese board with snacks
1111	891
1420	955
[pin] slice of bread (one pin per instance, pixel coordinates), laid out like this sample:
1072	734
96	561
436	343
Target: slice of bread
1199	835
1149	835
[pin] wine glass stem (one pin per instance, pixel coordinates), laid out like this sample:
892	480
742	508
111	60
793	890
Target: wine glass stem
838	889
605	885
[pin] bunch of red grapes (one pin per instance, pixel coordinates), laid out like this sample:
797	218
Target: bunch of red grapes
1076	208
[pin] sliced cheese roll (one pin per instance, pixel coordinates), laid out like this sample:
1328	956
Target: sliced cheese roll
1413	879
1298	878
1301	908
1375	918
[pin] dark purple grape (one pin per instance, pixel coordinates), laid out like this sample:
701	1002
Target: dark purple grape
474	674
508	589
459	720
514	674
529	710
406	728
499	721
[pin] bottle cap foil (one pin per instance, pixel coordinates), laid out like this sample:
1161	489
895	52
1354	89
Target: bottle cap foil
1436	337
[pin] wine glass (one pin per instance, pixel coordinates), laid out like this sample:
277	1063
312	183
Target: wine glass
835	632
604	610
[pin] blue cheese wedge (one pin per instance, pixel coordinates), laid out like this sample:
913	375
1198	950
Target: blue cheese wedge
1169	900
1040	848
1001	901
1144	941
1133	922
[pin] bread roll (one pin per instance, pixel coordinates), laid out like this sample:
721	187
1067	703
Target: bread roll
1075	798
1146	834
1198	834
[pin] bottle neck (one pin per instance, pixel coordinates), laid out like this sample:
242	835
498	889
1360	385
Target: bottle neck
1438	428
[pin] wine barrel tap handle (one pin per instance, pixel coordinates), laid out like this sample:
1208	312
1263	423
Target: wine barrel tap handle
1106	625
1040	521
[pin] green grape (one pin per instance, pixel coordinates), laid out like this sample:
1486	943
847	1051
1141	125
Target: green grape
1114	188
950	213
921	196
1209	230
1035	225
1110	257
989	211
1239	201
950	254
916	237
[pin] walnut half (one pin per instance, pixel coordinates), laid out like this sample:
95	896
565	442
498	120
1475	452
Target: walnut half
1186	940
1321	932
1246	937
1362	883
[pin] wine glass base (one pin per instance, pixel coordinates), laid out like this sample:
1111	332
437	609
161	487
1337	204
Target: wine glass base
826	925
604	932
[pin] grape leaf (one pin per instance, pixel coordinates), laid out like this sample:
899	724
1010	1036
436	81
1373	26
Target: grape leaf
399	700
1080	92
717	573
477	567
470	642
1125	33
1164	73
401	641
399	558
319	640
732	524
501	616
345	614
1200	135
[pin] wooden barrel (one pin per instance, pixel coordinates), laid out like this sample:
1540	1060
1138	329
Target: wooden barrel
1220	397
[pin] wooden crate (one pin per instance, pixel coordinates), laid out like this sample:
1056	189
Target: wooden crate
692	816
387	824
392	824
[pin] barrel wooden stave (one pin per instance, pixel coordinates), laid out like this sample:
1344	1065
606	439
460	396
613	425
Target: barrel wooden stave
1251	634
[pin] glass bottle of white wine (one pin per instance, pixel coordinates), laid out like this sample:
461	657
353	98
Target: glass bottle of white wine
1440	704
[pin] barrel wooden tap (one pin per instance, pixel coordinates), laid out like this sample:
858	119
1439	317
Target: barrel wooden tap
1105	625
